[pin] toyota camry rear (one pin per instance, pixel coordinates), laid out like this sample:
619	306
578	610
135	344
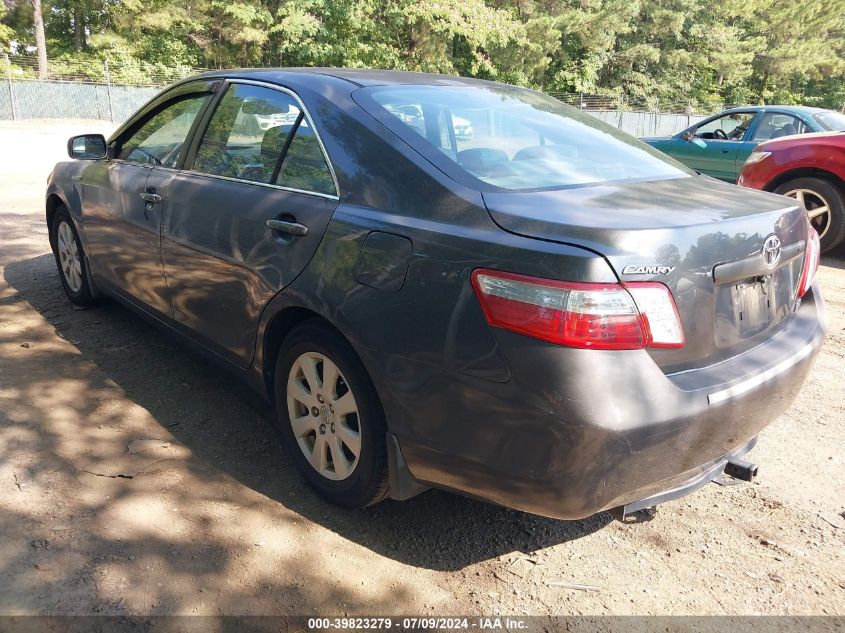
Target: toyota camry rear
450	283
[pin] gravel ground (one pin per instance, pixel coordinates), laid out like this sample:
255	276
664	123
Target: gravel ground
136	479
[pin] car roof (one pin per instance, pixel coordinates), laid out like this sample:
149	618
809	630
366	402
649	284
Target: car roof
795	109
357	76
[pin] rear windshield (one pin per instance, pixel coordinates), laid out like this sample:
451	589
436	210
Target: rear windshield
831	120
515	139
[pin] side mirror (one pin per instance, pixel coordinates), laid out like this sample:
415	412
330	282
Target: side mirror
688	135
87	147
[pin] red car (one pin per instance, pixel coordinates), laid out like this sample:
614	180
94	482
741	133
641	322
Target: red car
810	168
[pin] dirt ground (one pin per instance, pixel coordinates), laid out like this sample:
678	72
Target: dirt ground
136	479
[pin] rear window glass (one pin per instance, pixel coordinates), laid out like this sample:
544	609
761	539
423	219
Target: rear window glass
516	139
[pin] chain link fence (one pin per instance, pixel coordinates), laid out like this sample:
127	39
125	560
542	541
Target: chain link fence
81	89
109	91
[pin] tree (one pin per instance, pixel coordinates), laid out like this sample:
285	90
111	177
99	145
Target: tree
707	51
40	40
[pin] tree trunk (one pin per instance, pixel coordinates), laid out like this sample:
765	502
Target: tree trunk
78	29
40	41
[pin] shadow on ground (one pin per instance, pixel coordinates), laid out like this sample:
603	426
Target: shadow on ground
226	430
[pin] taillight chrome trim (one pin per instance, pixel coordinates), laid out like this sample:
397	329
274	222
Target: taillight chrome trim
812	257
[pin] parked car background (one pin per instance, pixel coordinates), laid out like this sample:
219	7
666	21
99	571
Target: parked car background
719	145
810	168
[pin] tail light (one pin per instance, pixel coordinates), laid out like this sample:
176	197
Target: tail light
586	315
811	262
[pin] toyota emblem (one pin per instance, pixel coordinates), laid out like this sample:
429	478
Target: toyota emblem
771	251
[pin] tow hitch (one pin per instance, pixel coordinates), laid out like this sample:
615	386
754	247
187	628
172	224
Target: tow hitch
734	466
740	469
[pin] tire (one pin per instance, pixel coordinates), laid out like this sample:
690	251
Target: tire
816	193
324	442
70	258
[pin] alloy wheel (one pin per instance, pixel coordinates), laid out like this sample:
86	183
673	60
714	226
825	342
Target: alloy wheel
324	416
818	209
69	257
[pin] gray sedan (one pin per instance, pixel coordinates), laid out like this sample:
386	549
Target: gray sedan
441	282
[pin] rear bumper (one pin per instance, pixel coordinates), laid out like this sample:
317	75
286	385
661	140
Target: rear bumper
708	472
575	432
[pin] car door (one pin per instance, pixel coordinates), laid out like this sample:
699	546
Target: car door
245	216
715	145
120	208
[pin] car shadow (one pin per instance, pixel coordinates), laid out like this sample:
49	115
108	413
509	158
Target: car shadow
835	258
226	428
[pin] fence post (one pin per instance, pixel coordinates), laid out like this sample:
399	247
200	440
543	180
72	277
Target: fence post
108	92
9	83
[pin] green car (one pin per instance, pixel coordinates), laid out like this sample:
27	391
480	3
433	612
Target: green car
719	145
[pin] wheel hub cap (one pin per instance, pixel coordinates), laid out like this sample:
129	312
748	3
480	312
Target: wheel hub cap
70	260
324	416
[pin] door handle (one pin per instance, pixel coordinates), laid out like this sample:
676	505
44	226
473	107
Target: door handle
150	197
292	228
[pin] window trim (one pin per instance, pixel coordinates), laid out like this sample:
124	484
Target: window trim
199	133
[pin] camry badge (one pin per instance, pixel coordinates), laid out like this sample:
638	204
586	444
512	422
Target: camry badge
647	270
771	251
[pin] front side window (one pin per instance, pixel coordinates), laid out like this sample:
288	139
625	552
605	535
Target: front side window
247	133
161	139
731	127
512	138
775	125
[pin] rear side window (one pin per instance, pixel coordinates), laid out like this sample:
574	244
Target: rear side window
774	125
247	133
262	135
161	139
831	120
304	166
513	139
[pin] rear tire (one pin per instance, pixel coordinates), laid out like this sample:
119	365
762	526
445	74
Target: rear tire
70	258
825	204
330	417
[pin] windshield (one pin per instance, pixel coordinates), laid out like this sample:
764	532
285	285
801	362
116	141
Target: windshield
830	120
516	139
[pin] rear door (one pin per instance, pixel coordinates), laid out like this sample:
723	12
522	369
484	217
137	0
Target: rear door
716	145
245	216
120	207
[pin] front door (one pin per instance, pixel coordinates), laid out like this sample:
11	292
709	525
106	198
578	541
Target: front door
245	217
715	147
122	210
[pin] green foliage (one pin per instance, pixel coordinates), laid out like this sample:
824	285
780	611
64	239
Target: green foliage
6	32
705	51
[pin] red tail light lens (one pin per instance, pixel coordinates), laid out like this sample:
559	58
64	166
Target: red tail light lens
585	315
811	262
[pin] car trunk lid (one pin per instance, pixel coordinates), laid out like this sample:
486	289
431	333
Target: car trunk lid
702	238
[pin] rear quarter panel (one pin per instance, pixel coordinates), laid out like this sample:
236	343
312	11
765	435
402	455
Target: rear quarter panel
793	156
